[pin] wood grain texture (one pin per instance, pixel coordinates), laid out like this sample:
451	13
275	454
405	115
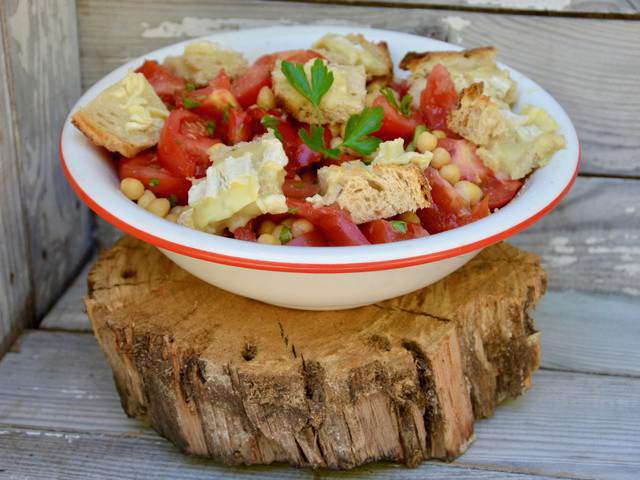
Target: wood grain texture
42	58
585	63
604	8
570	425
15	272
65	456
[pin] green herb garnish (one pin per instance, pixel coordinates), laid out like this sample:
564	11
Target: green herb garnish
173	200
321	79
154	182
316	141
211	127
420	129
359	127
269	121
189	87
399	226
189	102
405	104
285	235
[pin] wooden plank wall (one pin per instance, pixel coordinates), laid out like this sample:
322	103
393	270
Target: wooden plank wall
45	229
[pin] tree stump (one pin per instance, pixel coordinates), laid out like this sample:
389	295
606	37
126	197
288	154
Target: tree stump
242	382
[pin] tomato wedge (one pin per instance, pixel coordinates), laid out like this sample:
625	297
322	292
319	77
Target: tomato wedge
246	233
211	101
311	239
165	83
183	144
394	124
438	98
247	86
146	168
472	168
449	209
333	222
385	231
299	188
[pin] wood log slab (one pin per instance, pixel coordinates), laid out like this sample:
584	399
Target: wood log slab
243	382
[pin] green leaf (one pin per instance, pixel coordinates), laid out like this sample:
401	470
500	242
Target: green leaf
417	132
173	200
154	182
285	235
189	102
321	79
316	142
189	87
391	98
211	128
269	121
405	105
359	126
399	226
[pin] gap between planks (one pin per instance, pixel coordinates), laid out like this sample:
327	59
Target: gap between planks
623	10
60	381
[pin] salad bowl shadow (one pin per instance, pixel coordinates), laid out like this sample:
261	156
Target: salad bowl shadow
319	278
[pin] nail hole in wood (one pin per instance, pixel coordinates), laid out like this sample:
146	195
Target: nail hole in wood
249	351
128	273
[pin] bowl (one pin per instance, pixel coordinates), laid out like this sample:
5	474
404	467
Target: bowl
323	278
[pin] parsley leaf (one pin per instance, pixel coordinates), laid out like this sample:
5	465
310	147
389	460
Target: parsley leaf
173	200
269	121
321	79
189	102
418	131
285	235
211	128
399	226
189	87
316	142
154	182
361	125
405	105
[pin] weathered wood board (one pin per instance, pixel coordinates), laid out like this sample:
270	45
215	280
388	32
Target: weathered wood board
585	63
57	387
40	92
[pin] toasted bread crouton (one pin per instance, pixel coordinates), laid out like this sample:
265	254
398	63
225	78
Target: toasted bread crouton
353	49
370	193
126	118
344	98
466	67
203	60
509	143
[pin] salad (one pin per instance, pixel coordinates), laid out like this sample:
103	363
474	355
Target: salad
320	147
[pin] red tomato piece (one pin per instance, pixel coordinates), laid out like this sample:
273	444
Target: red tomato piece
333	222
146	168
165	83
438	98
211	101
401	86
383	231
449	209
221	80
247	86
246	233
299	188
311	239
472	168
238	125
394	124
183	144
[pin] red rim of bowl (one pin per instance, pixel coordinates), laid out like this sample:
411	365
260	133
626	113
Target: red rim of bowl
311	267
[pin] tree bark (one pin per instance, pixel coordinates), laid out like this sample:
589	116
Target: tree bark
242	382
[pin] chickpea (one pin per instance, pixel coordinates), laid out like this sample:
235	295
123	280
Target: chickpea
159	207
132	188
172	217
266	226
268	239
410	217
440	158
266	99
426	142
439	134
146	198
178	210
469	190
222	99
451	173
301	226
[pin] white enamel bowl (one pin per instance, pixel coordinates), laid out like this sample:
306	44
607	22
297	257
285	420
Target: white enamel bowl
316	278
